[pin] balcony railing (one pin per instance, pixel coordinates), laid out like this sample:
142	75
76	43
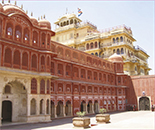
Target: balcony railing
128	29
121	43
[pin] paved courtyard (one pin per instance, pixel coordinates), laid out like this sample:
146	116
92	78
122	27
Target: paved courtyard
122	120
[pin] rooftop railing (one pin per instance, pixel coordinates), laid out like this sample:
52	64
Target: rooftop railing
139	48
87	23
116	27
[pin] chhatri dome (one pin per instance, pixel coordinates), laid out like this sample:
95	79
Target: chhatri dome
115	58
43	23
1	7
33	20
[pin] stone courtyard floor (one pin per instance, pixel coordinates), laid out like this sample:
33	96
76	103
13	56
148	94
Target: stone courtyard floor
119	120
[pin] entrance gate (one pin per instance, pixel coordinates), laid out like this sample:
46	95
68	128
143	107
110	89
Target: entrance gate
144	103
7	111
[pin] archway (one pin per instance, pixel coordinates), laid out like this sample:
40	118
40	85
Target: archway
60	108
83	106
144	103
68	108
52	109
6	111
17	94
89	107
96	106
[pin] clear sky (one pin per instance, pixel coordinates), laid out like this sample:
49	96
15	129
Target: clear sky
139	15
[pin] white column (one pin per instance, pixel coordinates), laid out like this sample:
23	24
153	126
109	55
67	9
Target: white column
44	106
45	86
55	111
49	106
71	110
93	108
107	107
64	114
37	106
86	108
28	105
98	108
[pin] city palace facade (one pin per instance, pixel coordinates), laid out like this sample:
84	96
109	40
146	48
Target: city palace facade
84	36
42	79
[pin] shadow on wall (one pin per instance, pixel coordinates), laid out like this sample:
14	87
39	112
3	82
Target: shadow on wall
131	96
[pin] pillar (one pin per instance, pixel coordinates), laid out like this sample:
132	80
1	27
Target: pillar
86	108
71	110
55	111
37	107
98	107
93	108
91	111
64	114
115	107
28	105
49	106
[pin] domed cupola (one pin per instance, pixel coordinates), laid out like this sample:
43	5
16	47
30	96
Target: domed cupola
34	20
43	23
1	7
115	58
118	62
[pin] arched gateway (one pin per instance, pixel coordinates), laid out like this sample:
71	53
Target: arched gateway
6	111
14	96
144	103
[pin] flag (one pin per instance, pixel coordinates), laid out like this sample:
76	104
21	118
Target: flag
79	12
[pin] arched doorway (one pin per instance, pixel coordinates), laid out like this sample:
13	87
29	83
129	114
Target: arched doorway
60	109
6	111
144	103
96	106
68	108
89	107
52	110
17	91
83	106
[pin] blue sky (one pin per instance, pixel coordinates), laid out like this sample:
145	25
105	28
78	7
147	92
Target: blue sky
139	15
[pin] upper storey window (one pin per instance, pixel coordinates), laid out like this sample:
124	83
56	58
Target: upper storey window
67	22
118	52
95	44
26	35
18	32
71	21
35	37
0	27
43	41
87	46
114	40
121	39
48	39
8	57
9	30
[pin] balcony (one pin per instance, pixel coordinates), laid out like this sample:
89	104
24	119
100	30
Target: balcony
92	36
65	27
122	43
